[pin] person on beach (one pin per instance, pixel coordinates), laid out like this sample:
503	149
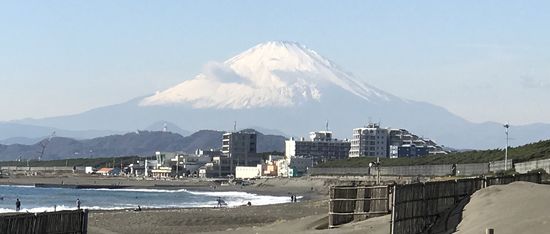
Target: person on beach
219	202
78	203
17	205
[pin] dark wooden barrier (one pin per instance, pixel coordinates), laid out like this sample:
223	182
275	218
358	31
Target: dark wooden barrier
529	177
61	222
348	203
417	206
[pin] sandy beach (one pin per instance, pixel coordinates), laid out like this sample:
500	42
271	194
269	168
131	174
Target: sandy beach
306	216
301	217
519	207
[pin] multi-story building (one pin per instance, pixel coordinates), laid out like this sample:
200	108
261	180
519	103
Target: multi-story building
240	148
369	141
408	151
320	147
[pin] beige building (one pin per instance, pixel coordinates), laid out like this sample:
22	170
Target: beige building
369	141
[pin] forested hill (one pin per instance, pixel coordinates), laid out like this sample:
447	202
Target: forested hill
142	143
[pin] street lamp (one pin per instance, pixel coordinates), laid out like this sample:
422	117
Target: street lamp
506	126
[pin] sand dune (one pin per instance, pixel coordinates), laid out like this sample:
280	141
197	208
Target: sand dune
519	207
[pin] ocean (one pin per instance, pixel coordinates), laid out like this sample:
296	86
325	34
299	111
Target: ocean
35	199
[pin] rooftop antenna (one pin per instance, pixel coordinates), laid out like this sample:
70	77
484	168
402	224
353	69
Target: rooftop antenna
326	125
234	126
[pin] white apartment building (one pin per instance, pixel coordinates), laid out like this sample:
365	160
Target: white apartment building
369	141
320	147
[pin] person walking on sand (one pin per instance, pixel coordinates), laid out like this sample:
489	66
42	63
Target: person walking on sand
219	201
17	205
78	203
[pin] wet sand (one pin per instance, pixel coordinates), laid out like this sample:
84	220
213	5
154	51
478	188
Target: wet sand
194	220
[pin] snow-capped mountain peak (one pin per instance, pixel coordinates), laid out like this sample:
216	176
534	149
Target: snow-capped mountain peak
276	73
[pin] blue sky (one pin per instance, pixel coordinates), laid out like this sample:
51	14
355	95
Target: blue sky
483	60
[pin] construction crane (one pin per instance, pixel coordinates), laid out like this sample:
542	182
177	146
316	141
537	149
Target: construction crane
43	144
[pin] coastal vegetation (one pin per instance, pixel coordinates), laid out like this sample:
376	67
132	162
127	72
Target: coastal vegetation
532	151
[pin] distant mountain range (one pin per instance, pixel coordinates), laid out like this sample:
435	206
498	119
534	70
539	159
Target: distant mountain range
15	133
142	143
291	88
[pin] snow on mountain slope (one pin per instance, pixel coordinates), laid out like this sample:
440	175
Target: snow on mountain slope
280	74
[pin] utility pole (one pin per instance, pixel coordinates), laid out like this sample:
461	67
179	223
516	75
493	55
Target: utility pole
506	126
378	170
177	165
377	165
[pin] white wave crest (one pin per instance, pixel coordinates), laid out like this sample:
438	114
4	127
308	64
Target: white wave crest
142	190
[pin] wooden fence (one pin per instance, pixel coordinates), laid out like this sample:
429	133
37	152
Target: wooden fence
61	222
529	177
348	203
417	206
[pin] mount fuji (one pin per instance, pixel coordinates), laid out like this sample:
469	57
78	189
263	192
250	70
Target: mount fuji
273	74
291	88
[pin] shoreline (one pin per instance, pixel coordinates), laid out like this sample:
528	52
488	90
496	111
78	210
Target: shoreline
301	188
